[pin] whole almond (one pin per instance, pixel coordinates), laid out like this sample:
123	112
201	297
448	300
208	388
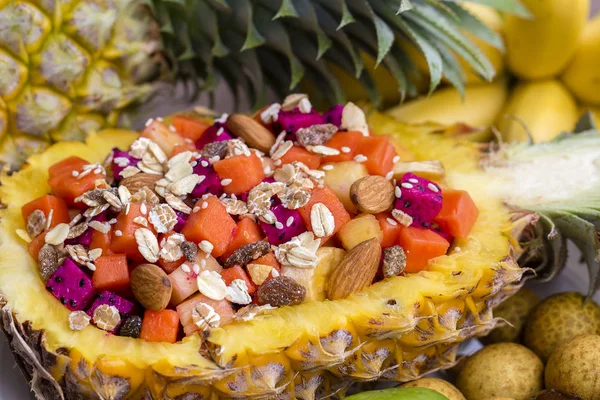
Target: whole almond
151	287
356	270
253	133
138	181
372	194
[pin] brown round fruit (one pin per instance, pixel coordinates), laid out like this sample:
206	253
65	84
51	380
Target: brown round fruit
151	287
439	385
573	368
501	370
558	319
514	310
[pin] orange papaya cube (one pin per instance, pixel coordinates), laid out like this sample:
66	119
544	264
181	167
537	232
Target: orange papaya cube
297	153
420	246
112	273
66	166
458	213
239	174
67	186
36	244
237	272
221	307
101	241
247	232
123	240
212	223
380	153
189	128
390	228
346	143
159	133
328	197
48	203
160	326
170	266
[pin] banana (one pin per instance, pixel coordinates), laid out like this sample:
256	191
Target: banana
582	76
480	108
542	47
545	107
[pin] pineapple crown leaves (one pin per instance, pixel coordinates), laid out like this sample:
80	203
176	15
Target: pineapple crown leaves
279	44
559	181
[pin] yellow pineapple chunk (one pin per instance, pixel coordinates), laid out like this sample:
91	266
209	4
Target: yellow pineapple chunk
359	229
315	279
341	176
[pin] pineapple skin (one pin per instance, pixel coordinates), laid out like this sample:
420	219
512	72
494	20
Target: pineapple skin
398	329
68	68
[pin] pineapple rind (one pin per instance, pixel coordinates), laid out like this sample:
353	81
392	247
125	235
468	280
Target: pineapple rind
397	329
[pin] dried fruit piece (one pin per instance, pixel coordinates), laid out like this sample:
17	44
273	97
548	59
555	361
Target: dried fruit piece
321	220
190	250
36	223
394	261
281	291
132	327
78	320
147	244
212	285
247	253
151	287
237	292
315	135
205	317
47	261
214	149
106	317
252	132
259	272
372	194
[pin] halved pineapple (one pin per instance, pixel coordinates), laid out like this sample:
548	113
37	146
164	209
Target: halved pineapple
397	329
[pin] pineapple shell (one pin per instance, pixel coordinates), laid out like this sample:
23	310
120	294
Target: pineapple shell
398	329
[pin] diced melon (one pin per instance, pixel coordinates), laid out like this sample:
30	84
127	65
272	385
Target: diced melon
222	307
184	283
341	177
359	229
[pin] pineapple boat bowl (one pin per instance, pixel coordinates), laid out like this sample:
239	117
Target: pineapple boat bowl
281	256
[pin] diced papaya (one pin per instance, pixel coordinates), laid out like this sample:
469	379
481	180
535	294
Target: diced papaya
170	266
390	228
123	240
326	196
247	232
101	241
112	273
160	326
212	223
380	153
36	244
420	246
183	280
268	259
63	184
458	214
245	172
347	141
189	128
221	307
237	272
48	203
297	153
159	133
66	166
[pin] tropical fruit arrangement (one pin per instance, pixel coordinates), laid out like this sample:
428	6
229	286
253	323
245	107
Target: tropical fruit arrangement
294	253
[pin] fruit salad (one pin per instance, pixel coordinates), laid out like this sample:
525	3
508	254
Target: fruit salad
201	223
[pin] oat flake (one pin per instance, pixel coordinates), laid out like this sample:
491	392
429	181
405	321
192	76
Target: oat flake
106	317
78	320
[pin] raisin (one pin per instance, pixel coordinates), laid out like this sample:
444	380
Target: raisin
281	291
132	327
247	253
190	250
214	149
394	261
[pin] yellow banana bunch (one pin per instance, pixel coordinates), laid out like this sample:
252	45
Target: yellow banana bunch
582	76
542	47
545	107
479	109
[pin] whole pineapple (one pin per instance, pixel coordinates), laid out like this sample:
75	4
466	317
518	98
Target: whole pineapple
69	67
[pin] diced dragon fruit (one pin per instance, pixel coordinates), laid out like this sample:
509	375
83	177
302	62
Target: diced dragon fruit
181	218
291	225
334	115
291	121
217	132
119	163
125	307
211	182
420	198
71	286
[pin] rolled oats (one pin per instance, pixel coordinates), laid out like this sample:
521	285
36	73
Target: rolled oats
299	252
292	101
130	171
353	119
182	157
57	235
113	200
281	150
259	200
36	223
163	218
205	317
185	185
177	204
237	292
95	211
323	150
212	285
102	227
138	147
234	206
171	247
78	320
78	253
142	221
321	220
77	230
93	254
147	244
107	317
236	147
179	171
403	218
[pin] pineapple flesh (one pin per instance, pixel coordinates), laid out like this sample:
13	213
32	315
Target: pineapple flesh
397	329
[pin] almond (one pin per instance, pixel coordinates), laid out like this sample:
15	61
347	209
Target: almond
151	287
356	270
138	181
253	133
372	194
